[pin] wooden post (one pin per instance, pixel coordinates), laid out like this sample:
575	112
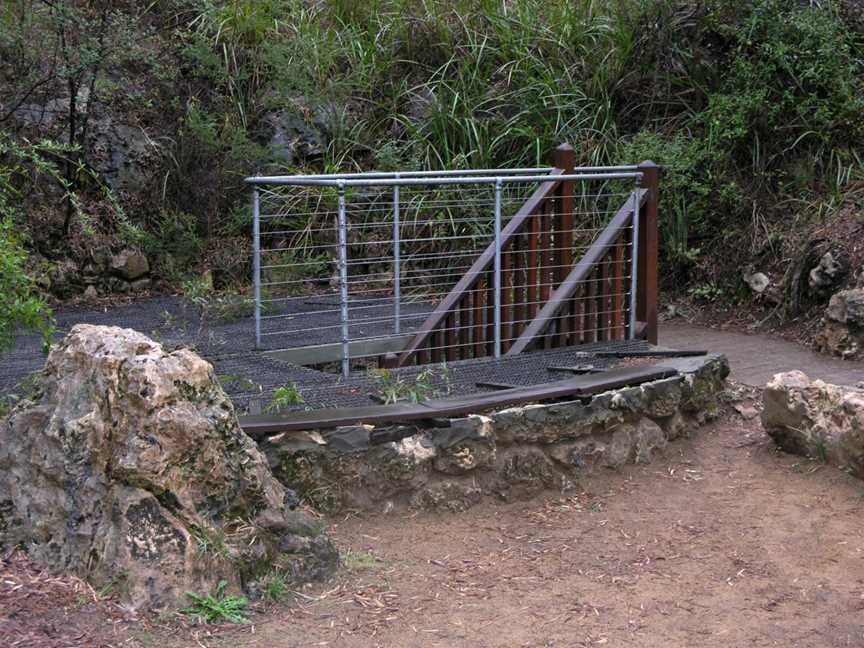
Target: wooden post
465	326
477	320
506	298
451	336
647	280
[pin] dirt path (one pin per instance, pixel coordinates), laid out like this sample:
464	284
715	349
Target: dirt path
756	357
724	542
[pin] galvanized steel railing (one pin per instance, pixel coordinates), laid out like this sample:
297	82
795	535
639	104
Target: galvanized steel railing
372	264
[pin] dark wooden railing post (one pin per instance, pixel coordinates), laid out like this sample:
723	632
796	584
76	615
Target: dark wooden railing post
647	280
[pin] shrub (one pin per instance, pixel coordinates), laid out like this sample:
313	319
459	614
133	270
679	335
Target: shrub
20	308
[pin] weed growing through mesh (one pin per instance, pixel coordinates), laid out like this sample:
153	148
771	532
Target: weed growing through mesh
392	388
284	397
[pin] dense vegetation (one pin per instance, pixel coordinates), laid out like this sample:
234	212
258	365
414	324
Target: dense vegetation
754	107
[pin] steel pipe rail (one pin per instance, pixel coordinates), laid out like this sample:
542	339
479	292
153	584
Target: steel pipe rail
382	175
300	181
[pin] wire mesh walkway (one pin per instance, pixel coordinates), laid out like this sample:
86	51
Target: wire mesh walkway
250	377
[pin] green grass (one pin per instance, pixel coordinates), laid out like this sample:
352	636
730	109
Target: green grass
357	561
217	607
745	103
209	542
274	587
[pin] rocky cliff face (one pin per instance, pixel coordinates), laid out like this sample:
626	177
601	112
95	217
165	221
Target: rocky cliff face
129	467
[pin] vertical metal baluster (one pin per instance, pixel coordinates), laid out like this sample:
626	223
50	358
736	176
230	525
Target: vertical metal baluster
497	273
343	280
397	265
634	253
256	263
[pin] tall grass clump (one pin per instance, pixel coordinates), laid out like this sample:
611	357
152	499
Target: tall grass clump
748	105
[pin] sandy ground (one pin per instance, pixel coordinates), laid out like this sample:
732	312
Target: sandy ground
721	542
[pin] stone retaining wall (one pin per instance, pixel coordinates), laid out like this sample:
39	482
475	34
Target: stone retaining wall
510	453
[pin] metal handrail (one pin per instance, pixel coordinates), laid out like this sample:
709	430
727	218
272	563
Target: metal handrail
311	181
385	175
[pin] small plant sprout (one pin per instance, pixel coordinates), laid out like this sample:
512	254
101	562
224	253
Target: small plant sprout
820	446
217	607
209	542
284	397
360	560
274	587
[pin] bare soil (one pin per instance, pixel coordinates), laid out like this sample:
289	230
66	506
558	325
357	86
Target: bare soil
723	541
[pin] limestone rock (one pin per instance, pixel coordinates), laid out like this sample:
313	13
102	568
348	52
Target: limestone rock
847	307
65	279
843	328
829	273
451	496
649	438
465	457
758	282
130	264
125	155
816	419
130	462
293	138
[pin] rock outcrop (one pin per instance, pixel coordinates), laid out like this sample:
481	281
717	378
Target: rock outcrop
129	467
816	420
829	273
843	326
130	264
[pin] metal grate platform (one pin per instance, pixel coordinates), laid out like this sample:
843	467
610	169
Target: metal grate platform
250	377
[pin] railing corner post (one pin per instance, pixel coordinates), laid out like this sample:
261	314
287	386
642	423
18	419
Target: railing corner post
256	261
343	281
496	291
397	262
563	232
648	280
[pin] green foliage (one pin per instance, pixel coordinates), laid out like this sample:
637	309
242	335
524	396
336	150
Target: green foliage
274	587
217	607
706	293
791	77
820	445
748	105
284	397
21	310
392	388
198	290
209	542
174	243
